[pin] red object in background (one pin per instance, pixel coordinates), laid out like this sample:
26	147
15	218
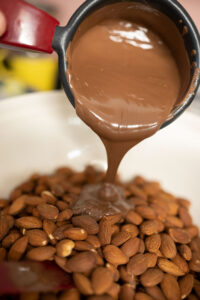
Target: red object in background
27	26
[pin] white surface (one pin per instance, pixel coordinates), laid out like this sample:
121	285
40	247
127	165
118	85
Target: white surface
41	132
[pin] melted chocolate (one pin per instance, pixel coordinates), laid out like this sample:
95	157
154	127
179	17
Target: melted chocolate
128	68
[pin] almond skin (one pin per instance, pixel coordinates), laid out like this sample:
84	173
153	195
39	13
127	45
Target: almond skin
151	227
179	235
83	284
185	252
65	215
102	278
146	212
105	232
127	292
134	218
153	243
155	292
186	284
114	255
17	206
131	247
48	211
168	247
142	296
151	277
41	253
87	223
76	234
18	249
120	238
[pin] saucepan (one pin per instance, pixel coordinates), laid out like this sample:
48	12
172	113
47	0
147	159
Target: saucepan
32	29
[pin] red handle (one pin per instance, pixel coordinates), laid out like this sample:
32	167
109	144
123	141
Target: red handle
27	26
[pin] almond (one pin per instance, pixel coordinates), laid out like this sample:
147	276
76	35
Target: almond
48	211
41	253
76	234
83	246
151	277
33	200
137	264
114	255
151	259
102	278
127	292
146	212
131	247
113	219
169	267
114	290
87	223
18	249
65	215
105	232
4	227
127	277
37	238
72	294
62	263
64	248
168	247
181	263
194	264
186	284
185	252
153	243
29	222
193	231
137	192
185	216
142	296
179	235
170	287
61	205
151	227
10	239
48	197
134	218
114	271
155	292
82	262
83	284
49	228
120	238
94	241
17	206
160	212
132	229
172	221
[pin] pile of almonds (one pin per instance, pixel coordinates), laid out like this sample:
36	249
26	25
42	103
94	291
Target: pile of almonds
153	253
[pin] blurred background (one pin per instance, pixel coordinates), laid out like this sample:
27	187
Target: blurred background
22	72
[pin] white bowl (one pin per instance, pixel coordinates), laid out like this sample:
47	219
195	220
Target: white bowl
40	132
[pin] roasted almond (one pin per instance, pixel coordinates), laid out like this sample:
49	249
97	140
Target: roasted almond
94	241
168	247
83	246
48	211
146	212
37	238
153	243
170	287
49	197
4	226
41	253
142	296
33	200
113	219
62	263
120	238
131	228
18	249
49	228
185	252
151	277
127	277
114	290
17	206
29	222
169	267
151	259
64	248
10	239
105	232
186	284
155	292
82	262
101	279
87	223
172	221
179	235
137	264
151	227
65	215
114	255
83	284
113	270
76	234
131	247
185	216
194	264
127	292
181	263
193	231
133	217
